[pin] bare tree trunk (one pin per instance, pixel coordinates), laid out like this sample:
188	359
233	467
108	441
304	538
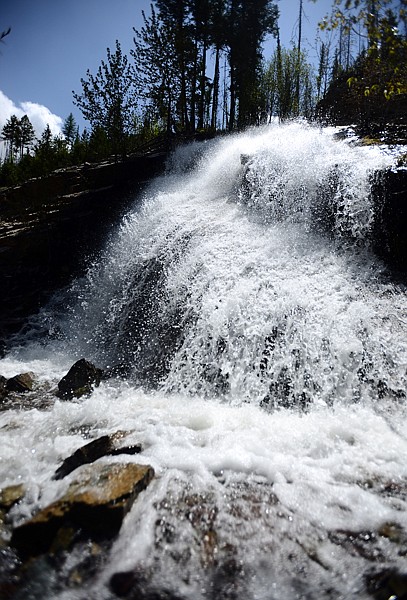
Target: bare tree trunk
215	96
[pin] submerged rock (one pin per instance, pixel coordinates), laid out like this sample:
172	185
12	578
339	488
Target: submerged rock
11	495
79	380
103	446
96	503
8	497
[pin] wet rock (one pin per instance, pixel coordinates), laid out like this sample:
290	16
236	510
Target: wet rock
21	383
103	446
96	503
396	534
389	240
229	580
3	388
135	585
11	495
125	583
387	584
360	543
8	497
80	380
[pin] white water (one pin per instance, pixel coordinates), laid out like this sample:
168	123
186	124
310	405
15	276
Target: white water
267	365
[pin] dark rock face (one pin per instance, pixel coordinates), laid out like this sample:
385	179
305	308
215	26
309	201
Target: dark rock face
3	388
387	584
79	380
96	502
50	226
389	194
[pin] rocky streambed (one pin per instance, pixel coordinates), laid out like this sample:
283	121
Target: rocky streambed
60	548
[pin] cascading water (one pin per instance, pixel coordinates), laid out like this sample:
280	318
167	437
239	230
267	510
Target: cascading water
263	356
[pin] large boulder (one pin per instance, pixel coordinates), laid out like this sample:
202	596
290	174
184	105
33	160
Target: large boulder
95	503
80	380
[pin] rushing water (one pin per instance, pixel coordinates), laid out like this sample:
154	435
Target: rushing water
265	352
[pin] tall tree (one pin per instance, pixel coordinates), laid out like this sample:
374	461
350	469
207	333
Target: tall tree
249	23
27	134
158	80
70	130
11	135
280	80
108	99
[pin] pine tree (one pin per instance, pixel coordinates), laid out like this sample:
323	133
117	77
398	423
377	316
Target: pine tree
108	99
11	134
158	80
249	23
27	135
69	129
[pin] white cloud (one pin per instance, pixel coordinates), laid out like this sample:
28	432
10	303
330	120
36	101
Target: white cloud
38	114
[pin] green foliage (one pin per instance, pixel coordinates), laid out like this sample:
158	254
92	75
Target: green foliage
280	85
11	135
47	154
70	129
371	89
108	99
249	23
170	57
381	67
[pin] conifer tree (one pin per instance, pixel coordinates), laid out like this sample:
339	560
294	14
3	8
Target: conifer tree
108	99
27	134
70	130
11	135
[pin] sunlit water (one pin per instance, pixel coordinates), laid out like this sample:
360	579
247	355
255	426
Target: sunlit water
265	352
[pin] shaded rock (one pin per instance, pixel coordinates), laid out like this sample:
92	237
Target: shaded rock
96	503
125	583
79	380
135	585
3	388
387	584
50	225
21	383
389	191
103	446
8	497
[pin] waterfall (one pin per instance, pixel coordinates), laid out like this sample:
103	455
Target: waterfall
262	351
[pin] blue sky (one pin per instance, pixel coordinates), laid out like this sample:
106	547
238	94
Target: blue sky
53	42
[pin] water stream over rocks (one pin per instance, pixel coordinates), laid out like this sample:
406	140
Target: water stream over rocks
256	349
